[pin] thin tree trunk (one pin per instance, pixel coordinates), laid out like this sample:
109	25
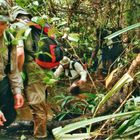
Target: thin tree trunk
134	65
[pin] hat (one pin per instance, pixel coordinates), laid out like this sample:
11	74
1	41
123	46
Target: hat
4	11
65	61
17	10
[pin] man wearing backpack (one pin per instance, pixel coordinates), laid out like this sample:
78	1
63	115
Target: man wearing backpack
10	79
74	71
34	87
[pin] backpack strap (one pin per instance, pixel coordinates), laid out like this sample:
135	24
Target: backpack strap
73	64
8	38
83	65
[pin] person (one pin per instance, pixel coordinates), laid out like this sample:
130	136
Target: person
74	71
110	51
34	87
10	79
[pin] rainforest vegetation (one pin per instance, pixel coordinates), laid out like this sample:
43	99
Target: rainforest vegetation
104	34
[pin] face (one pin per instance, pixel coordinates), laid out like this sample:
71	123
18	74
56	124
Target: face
3	26
66	66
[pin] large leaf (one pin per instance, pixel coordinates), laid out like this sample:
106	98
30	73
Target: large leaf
132	129
59	132
127	124
76	136
125	79
123	31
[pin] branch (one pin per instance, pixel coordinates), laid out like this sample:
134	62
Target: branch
134	64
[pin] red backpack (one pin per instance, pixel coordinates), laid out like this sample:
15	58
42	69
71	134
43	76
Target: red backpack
48	52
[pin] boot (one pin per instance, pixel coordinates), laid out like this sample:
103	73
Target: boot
40	130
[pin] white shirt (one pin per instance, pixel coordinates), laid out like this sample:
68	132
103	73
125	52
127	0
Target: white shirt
71	72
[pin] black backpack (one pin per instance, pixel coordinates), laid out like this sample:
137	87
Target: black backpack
48	52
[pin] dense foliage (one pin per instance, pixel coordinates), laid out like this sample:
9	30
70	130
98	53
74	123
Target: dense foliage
81	26
77	21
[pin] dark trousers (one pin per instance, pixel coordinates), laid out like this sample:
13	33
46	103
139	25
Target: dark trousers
7	101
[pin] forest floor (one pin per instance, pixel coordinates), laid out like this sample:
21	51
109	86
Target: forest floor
22	128
25	131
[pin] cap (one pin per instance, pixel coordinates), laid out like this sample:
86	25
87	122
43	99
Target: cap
65	61
4	11
17	10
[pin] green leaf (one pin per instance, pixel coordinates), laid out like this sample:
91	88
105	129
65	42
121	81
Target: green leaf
2	50
62	23
46	79
83	136
22	137
27	32
67	98
52	31
125	79
73	37
35	3
127	124
132	129
55	19
123	31
60	132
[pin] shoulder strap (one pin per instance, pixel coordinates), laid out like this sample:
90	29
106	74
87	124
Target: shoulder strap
44	30
76	61
73	63
9	47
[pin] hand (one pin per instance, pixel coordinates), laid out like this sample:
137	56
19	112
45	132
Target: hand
19	101
2	119
80	82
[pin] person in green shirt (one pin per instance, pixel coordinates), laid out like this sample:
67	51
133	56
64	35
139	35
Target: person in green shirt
10	79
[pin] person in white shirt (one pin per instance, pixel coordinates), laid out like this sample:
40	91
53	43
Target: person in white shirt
74	71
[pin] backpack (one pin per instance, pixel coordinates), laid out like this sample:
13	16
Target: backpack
73	66
83	64
48	51
81	61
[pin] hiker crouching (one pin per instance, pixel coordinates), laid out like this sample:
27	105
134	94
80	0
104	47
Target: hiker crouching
75	72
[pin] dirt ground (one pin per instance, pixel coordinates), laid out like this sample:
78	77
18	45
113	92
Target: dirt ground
24	132
24	114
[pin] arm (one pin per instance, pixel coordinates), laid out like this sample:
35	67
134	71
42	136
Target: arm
79	68
20	56
58	71
15	79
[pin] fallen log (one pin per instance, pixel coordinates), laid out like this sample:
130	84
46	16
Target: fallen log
27	126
